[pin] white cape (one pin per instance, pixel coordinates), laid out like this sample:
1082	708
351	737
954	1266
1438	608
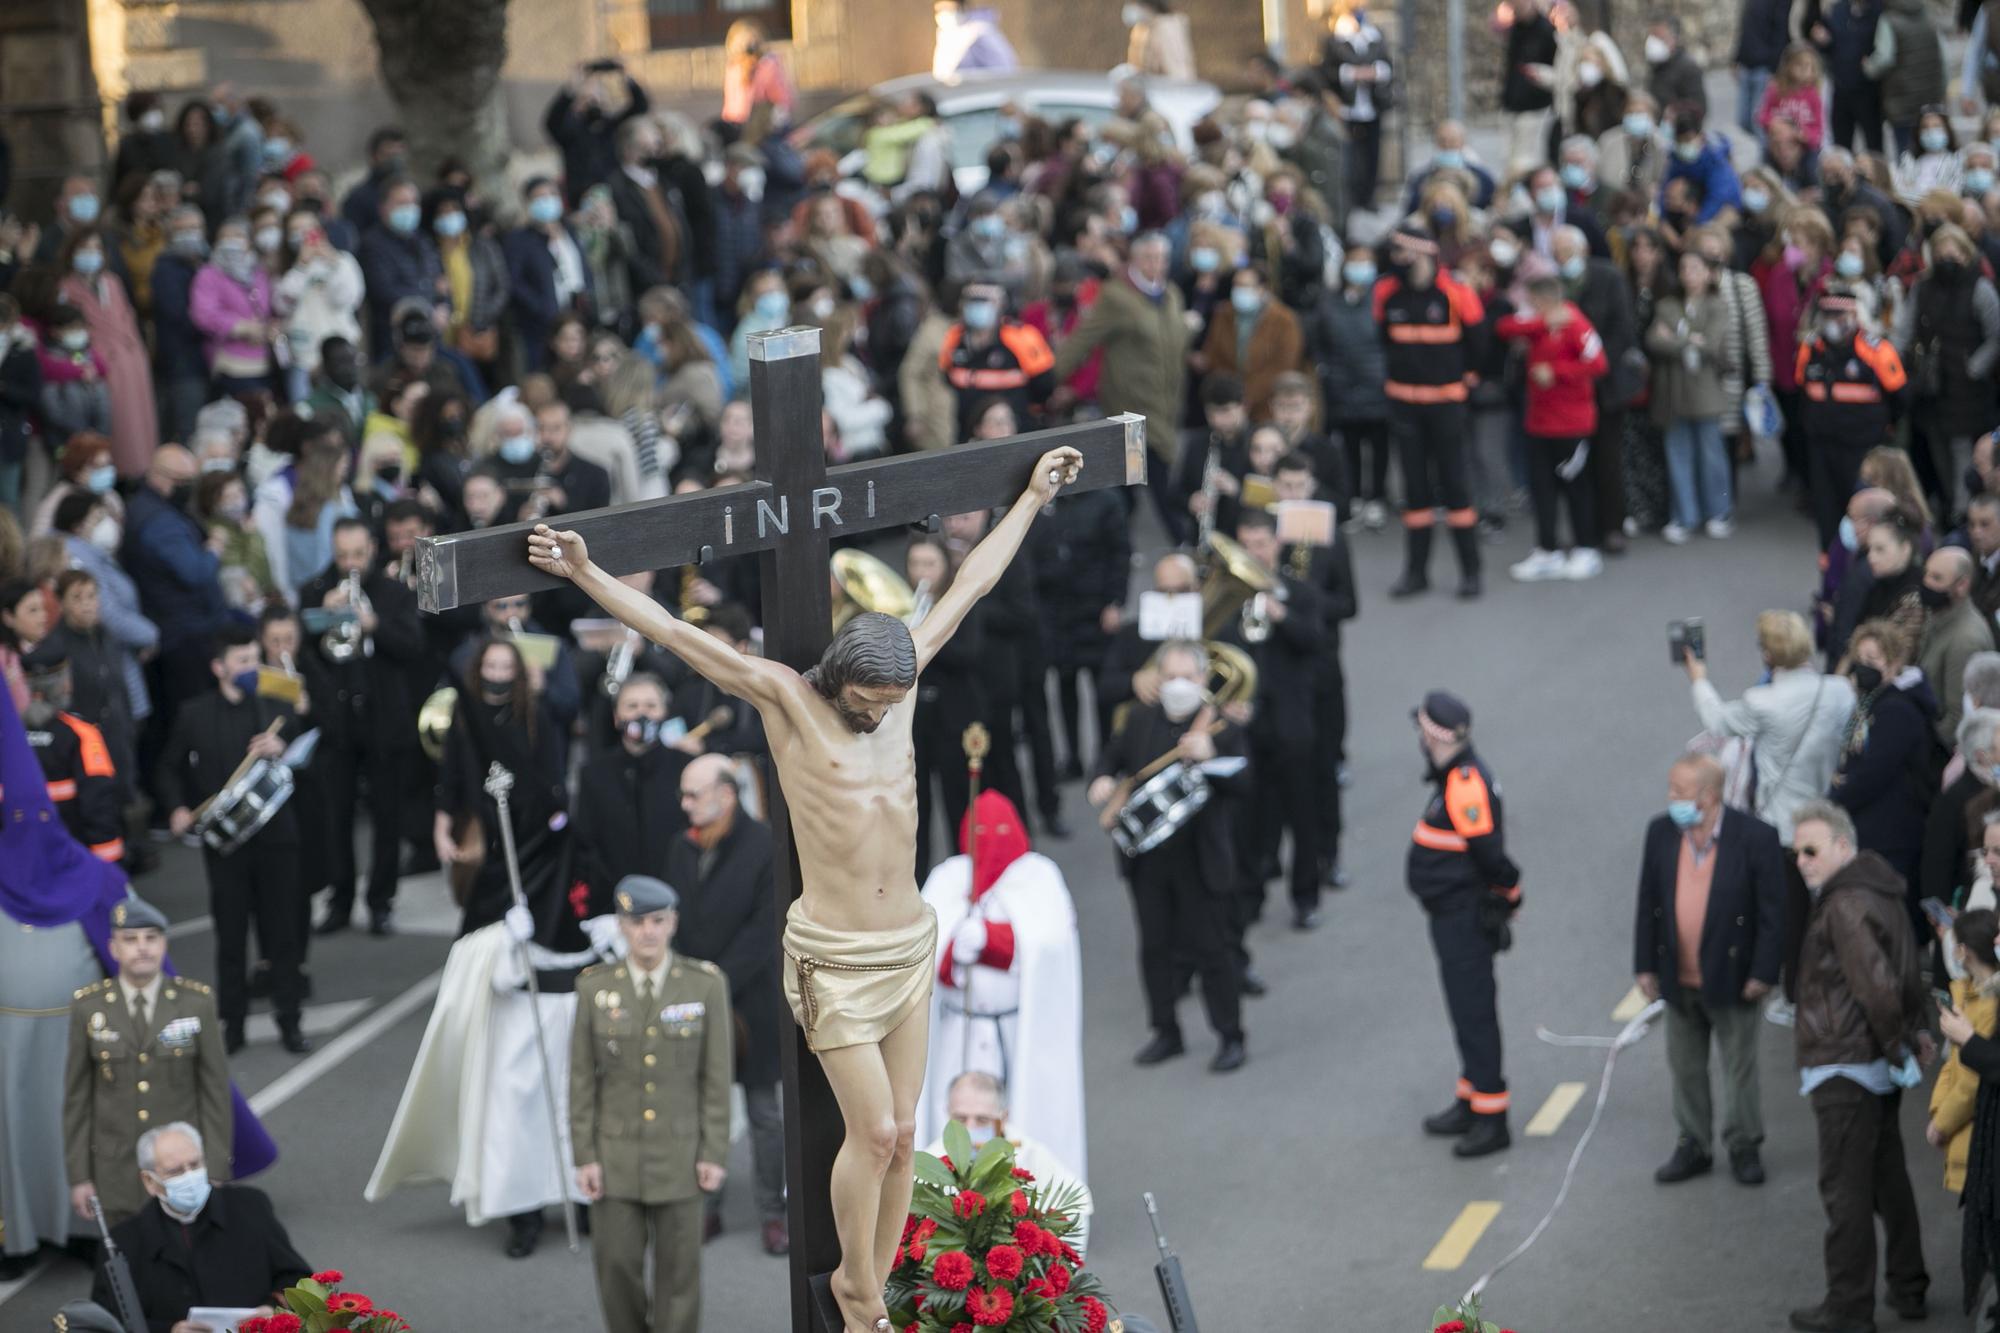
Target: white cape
1045	1084
473	1113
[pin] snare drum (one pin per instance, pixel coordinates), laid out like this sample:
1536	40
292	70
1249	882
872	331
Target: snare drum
249	802
1159	809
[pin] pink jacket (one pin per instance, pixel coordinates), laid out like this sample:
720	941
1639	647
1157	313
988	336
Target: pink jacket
1803	106
1787	301
218	303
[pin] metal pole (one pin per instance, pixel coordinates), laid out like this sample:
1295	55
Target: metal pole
1274	29
498	783
1454	27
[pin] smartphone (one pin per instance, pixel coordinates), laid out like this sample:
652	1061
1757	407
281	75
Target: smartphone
1941	916
1942	999
1677	642
1697	638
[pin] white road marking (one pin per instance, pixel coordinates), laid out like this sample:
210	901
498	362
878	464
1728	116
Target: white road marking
336	1052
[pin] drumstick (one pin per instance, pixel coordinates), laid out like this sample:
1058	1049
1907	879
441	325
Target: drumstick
1122	793
717	717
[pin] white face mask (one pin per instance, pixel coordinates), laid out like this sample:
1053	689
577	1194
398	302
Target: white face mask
104	534
1180	697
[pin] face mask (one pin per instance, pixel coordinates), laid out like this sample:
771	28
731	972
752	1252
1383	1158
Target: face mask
1504	253
1793	255
186	1192
1639	125
1688	150
101	479
1575	176
494	688
1934	140
643	730
277	151
1849	538
1867	679
979	1134
1657	51
1358	274
1589	75
153	122
181	496
1444	219
1283	137
278	201
1848	265
1131	15
981	315
84	209
190	244
863	289
76	340
88	262
1976	182
1685	814
1204	258
268	239
821	308
1572	268
1935	599
233	510
245	681
544	209
1213	204
403	218
989	227
1180	697
1756	201
1833	330
1246	300
104	534
517	449
1128	219
1450	158
1549	199
450	225
773	305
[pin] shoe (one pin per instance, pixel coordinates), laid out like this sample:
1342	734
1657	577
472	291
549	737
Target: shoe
1719	528
1910	1309
1469	587
1410	585
1539	565
1229	1057
777	1237
711	1227
1747	1166
1453	1120
16	1266
232	1038
1069	772
1487	1135
1583	563
1687	1162
1163	1047
1343	776
334	922
1305	919
1674	534
1615	542
1336	878
524	1233
1054	827
1374	515
1251	984
1817	1320
381	924
1632	528
1779	1011
293	1040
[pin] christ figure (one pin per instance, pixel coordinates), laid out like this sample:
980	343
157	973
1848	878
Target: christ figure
859	939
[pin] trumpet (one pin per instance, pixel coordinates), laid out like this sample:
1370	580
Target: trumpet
618	664
345	641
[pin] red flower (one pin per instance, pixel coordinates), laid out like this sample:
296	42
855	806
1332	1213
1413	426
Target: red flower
962	1328
254	1324
946	1159
969	1204
282	1323
1095	1316
1059	1278
909	1226
1450	1326
349	1302
1020	1174
953	1270
1019	1204
1003	1262
329	1277
916	1251
1043	1288
990	1308
926	1228
1067	1251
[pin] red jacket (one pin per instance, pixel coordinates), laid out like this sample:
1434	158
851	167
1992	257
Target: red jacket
1567	407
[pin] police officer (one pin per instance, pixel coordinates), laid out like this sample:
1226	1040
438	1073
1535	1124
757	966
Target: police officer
1459	871
649	1078
145	1050
76	763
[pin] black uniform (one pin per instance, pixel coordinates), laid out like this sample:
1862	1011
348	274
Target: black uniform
1426	332
1460	872
260	879
368	726
1331	570
628	816
951	695
1285	745
82	782
1181	889
1082	548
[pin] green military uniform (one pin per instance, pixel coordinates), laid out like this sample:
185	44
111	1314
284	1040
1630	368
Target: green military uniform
649	1081
124	1079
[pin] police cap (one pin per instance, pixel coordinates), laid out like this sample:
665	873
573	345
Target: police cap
642	895
135	913
86	1317
1447	710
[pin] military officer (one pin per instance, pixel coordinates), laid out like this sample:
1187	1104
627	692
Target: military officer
649	1079
145	1050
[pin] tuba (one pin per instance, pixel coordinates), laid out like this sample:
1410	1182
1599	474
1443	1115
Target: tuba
434	722
345	641
1230	587
863	583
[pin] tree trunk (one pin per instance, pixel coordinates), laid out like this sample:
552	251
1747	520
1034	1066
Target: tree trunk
441	62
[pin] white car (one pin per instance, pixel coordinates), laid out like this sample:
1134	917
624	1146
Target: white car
970	107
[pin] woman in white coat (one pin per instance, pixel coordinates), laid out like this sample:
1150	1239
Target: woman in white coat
1794	722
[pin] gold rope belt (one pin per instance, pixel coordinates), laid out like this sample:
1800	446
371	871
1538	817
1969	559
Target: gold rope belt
807	965
6	1012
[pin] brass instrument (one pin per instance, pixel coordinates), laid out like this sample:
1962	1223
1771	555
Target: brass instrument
619	662
693	612
345	641
1232	579
1232	678
863	583
1205	522
434	721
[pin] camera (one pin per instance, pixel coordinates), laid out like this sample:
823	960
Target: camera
1686	637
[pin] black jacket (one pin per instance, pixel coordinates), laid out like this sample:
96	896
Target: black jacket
367	700
1082	551
235	1254
588	138
1677	80
654	260
1765	33
1123	657
1531	40
1149	733
628	815
20	397
1952	833
1885	780
1606	302
208	741
729	918
1458	850
1288	672
1743	930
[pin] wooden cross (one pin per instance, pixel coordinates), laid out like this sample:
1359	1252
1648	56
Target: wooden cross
787	514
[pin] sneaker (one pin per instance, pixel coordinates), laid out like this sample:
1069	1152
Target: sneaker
1779	1011
1719	528
1675	534
1583	563
1632	528
1374	514
1539	565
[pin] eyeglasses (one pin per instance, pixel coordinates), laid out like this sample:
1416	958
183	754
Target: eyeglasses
1805	853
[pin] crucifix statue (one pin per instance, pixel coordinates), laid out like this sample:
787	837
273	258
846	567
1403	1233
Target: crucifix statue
857	939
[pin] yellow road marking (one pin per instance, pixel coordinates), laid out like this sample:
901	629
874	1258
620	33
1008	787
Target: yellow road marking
1629	1007
1459	1238
1562	1100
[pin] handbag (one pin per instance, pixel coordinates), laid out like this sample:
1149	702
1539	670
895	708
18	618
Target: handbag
1927	369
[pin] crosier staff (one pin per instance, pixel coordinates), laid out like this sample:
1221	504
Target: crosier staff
977	743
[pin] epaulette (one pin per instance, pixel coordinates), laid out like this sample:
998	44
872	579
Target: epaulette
91	989
594	967
188	983
706	966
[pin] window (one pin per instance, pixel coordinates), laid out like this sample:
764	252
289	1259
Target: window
674	23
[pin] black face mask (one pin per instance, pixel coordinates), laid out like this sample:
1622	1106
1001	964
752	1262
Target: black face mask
452	427
495	691
1936	599
1867	679
181	496
643	730
343	376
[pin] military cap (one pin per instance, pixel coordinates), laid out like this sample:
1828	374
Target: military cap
1447	710
86	1317
50	656
135	913
642	895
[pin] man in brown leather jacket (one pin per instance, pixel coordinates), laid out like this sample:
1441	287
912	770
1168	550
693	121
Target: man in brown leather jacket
1860	1006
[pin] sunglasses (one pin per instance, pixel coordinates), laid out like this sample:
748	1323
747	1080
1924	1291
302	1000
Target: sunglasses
1803	853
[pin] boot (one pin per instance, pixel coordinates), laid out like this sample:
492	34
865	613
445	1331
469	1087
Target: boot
1416	563
1487	1135
1454	1120
524	1232
1466	541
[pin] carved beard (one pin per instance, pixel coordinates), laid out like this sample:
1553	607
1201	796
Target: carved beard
858	723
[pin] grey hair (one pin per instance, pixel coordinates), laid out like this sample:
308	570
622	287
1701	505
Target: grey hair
1976	731
1982	679
1837	821
982	1081
1836	155
149	1142
873	650
1192	647
1706	769
1580	143
186	213
1571	235
1152	238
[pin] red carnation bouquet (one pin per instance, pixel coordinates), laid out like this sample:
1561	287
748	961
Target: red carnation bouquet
985	1247
1463	1318
317	1305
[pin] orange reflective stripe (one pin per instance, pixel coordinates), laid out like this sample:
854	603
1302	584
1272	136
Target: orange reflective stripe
1467	803
1799	366
96	754
1881	358
1423	333
1512	895
63	790
1426	393
1028	347
113	850
1465	1090
952	336
1461	518
1419	518
991	380
1816	391
1488	1103
1856	393
1437	839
